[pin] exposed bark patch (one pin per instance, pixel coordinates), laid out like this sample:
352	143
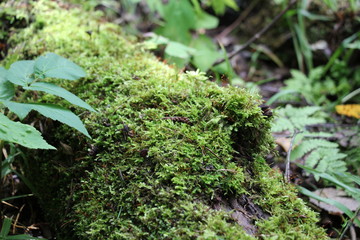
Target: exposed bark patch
244	211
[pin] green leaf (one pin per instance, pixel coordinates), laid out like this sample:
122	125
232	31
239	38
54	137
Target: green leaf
314	17
7	89
354	45
53	65
232	4
156	5
206	53
22	134
20	109
180	17
337	204
23	237
52	111
60	92
60	114
354	191
179	50
219	6
6	166
280	94
17	196
5	229
206	21
21	72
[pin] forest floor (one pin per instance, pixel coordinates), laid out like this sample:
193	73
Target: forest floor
264	65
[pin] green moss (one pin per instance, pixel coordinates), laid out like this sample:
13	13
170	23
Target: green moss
166	146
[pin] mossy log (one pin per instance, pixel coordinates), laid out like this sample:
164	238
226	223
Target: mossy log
172	155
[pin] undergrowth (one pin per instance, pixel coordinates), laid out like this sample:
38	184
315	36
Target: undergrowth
166	147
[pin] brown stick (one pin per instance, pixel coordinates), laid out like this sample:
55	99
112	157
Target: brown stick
257	35
242	16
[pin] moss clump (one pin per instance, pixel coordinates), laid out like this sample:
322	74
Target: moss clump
170	152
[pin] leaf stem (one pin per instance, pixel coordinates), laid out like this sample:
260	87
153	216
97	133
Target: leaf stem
287	168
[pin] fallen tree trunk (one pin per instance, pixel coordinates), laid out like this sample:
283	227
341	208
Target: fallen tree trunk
173	156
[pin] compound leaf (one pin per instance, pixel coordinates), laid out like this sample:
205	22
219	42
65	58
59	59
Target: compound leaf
21	72
22	134
52	111
20	109
53	65
60	114
60	92
7	89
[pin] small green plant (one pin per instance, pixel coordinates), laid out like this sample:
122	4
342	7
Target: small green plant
326	85
29	74
322	158
180	19
5	229
319	153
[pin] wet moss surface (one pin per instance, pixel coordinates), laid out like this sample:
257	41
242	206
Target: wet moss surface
172	156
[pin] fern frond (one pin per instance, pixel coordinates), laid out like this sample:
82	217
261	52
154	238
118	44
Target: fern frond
316	134
300	122
326	160
308	145
330	161
301	112
291	118
283	124
318	158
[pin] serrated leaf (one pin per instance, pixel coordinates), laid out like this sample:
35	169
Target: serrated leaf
20	109
21	72
60	92
302	111
7	89
22	134
52	111
282	124
53	65
60	114
308	145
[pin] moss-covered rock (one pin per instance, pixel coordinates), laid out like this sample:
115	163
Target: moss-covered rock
173	156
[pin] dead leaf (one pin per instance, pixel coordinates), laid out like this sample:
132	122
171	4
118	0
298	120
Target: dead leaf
284	142
350	110
336	195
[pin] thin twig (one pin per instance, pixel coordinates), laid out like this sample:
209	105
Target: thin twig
17	219
213	153
287	168
257	35
242	16
352	233
349	223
